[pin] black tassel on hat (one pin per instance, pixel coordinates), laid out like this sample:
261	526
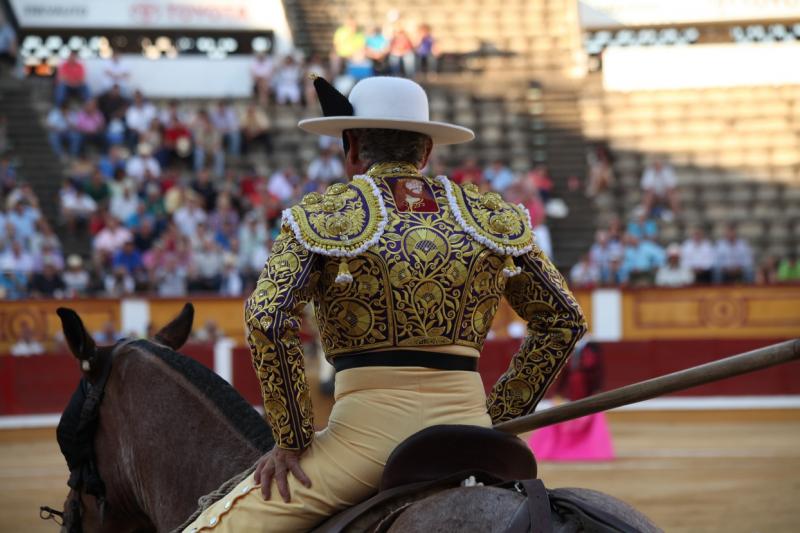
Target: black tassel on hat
334	103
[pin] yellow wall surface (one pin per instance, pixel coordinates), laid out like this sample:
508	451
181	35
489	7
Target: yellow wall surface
711	313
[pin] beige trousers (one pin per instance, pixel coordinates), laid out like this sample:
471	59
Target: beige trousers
376	408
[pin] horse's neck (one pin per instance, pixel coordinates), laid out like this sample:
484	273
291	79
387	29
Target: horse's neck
166	442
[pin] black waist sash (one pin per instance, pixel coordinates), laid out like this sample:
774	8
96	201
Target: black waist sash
426	359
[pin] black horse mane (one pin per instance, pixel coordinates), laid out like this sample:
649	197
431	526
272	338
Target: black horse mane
225	398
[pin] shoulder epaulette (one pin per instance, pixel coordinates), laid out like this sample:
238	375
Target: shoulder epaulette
502	227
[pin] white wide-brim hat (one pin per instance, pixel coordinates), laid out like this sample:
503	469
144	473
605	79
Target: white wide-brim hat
389	103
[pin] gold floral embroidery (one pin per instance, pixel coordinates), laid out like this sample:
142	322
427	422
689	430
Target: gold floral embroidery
540	295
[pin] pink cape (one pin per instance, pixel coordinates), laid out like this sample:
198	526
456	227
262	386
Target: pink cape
583	439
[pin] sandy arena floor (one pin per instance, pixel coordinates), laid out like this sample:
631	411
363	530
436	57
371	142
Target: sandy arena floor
690	472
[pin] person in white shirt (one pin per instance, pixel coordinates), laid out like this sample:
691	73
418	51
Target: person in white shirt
124	206
232	284
143	164
734	258
325	168
116	72
76	206
584	273
17	259
226	120
26	344
659	184
280	184
189	216
139	116
697	254
287	81
672	273
261	70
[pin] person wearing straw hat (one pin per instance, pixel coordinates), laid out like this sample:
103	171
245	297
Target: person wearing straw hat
406	273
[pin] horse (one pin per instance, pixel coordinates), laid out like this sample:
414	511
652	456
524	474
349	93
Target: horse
150	432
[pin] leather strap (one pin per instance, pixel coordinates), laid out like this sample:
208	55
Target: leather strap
534	517
425	359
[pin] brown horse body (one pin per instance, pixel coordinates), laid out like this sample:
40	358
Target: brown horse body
171	431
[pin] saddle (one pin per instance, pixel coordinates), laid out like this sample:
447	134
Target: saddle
438	458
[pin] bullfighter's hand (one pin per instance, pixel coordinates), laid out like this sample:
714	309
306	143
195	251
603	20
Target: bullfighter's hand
276	464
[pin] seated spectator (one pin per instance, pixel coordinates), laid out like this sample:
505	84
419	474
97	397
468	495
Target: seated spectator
145	234
177	139
138	117
643	227
427	50
113	161
97	188
108	334
601	172
584	273
659	184
470	172
499	176
641	259
261	70
123	207
154	137
204	187
255	129
27	344
673	273
112	104
47	283
118	283
170	278
359	67
189	216
253	240
226	119
788	270
287	81
541	180
205	274
48	254
282	183
207	143
376	49
112	237
697	254
116	72
16	259
59	129
23	216
401	55
143	164
77	207
602	252
76	278
71	80
767	272
325	168
45	239
130	258
347	40
88	126
13	284
231	284
733	258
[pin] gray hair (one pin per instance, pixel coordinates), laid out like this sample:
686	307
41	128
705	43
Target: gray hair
377	145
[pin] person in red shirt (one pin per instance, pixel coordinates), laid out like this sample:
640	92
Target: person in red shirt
177	139
470	172
71	80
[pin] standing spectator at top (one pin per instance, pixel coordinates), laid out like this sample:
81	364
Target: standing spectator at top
261	70
71	80
347	40
226	120
8	44
499	176
659	185
287	82
116	72
673	273
138	117
401	55
376	49
427	51
325	168
734	258
697	254
469	172
207	143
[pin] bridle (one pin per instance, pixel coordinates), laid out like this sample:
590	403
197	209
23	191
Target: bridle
77	445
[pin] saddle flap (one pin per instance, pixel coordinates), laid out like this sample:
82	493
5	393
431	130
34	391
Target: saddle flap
441	451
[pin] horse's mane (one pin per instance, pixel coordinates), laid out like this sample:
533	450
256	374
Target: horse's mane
239	413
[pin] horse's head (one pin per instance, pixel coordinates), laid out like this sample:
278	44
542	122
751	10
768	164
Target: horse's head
86	508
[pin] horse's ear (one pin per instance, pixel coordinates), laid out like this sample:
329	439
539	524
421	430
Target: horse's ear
176	332
80	342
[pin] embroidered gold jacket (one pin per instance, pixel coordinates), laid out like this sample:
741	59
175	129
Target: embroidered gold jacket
396	259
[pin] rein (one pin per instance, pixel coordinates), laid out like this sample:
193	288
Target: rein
75	434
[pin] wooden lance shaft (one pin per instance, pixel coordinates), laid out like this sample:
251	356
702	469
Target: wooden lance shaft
768	356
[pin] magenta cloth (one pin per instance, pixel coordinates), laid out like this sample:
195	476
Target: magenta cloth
584	439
